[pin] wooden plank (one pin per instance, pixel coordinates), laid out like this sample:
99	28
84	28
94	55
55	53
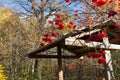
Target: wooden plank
91	44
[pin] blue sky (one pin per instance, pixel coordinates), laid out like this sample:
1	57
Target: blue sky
16	7
7	3
11	4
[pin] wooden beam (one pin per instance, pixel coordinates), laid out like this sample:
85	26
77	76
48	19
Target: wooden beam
81	51
53	56
115	41
87	33
116	30
92	44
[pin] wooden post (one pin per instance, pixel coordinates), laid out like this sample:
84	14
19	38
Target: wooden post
60	70
108	66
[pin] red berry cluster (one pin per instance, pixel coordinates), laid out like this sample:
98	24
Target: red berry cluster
98	55
69	66
67	1
76	14
112	13
71	25
59	22
101	60
99	2
111	1
48	38
116	25
97	37
88	21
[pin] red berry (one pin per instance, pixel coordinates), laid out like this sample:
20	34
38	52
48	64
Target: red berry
99	2
42	44
97	55
76	15
116	25
58	15
46	35
50	40
101	60
58	22
54	34
67	1
69	26
102	52
51	22
71	23
89	55
93	38
76	11
94	1
112	13
61	27
45	39
69	67
111	1
74	26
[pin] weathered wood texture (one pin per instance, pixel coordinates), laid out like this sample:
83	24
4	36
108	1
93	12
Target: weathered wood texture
52	56
108	65
60	69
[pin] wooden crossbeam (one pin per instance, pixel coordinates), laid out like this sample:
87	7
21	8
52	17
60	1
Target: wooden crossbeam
111	32
91	44
88	33
116	30
80	51
53	56
115	41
